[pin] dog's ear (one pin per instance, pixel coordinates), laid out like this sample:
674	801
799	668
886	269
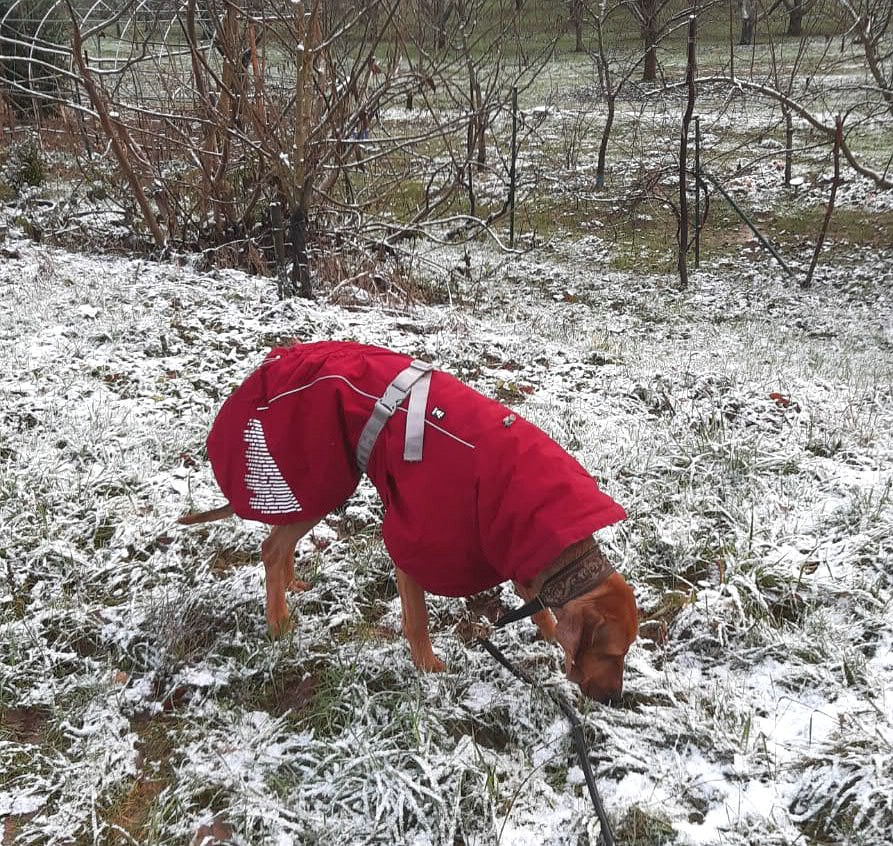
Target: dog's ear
575	631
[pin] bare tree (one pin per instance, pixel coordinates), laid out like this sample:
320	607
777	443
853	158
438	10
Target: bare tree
656	19
796	10
217	113
691	71
870	22
615	71
805	82
648	12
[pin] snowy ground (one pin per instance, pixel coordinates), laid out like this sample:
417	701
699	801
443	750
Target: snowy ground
747	427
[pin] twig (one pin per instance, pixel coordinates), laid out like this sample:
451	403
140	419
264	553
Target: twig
117	140
838	140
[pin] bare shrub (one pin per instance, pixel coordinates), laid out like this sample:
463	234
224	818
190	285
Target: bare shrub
212	112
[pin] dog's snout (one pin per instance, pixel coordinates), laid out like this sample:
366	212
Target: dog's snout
607	696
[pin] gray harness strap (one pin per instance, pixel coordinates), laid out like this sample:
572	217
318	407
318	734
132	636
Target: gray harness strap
415	380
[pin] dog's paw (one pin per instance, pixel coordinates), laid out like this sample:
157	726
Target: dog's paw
298	586
279	628
429	664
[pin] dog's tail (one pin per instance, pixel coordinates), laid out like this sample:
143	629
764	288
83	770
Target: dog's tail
207	516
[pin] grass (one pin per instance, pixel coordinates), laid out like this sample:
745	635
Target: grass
129	817
539	24
861	802
640	828
647	240
336	713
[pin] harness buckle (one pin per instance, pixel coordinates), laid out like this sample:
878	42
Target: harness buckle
414	381
384	408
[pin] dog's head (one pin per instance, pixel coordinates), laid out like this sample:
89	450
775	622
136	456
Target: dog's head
596	631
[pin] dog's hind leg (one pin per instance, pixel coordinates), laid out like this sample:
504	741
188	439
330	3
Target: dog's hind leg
278	555
415	624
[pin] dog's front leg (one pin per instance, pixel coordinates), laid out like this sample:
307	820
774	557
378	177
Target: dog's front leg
545	620
278	555
415	624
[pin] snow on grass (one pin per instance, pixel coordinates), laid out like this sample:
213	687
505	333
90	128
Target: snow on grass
745	424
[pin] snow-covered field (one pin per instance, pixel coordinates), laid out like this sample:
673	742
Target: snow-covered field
746	425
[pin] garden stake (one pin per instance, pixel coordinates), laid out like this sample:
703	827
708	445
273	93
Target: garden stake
607	835
753	228
697	191
513	167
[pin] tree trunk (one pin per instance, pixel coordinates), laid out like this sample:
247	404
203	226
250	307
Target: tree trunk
648	15
607	83
795	18
788	146
441	18
649	72
476	143
838	142
300	268
480	124
577	23
747	22
603	146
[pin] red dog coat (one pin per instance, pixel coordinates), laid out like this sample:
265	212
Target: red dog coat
493	498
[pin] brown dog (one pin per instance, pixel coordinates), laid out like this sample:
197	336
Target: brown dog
493	500
595	629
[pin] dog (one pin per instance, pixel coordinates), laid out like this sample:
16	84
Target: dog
473	494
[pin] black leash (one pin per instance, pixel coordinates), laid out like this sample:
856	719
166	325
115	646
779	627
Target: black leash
607	835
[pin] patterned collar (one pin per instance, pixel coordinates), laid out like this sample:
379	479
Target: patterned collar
585	572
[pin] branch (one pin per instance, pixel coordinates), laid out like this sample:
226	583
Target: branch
878	178
117	139
838	140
